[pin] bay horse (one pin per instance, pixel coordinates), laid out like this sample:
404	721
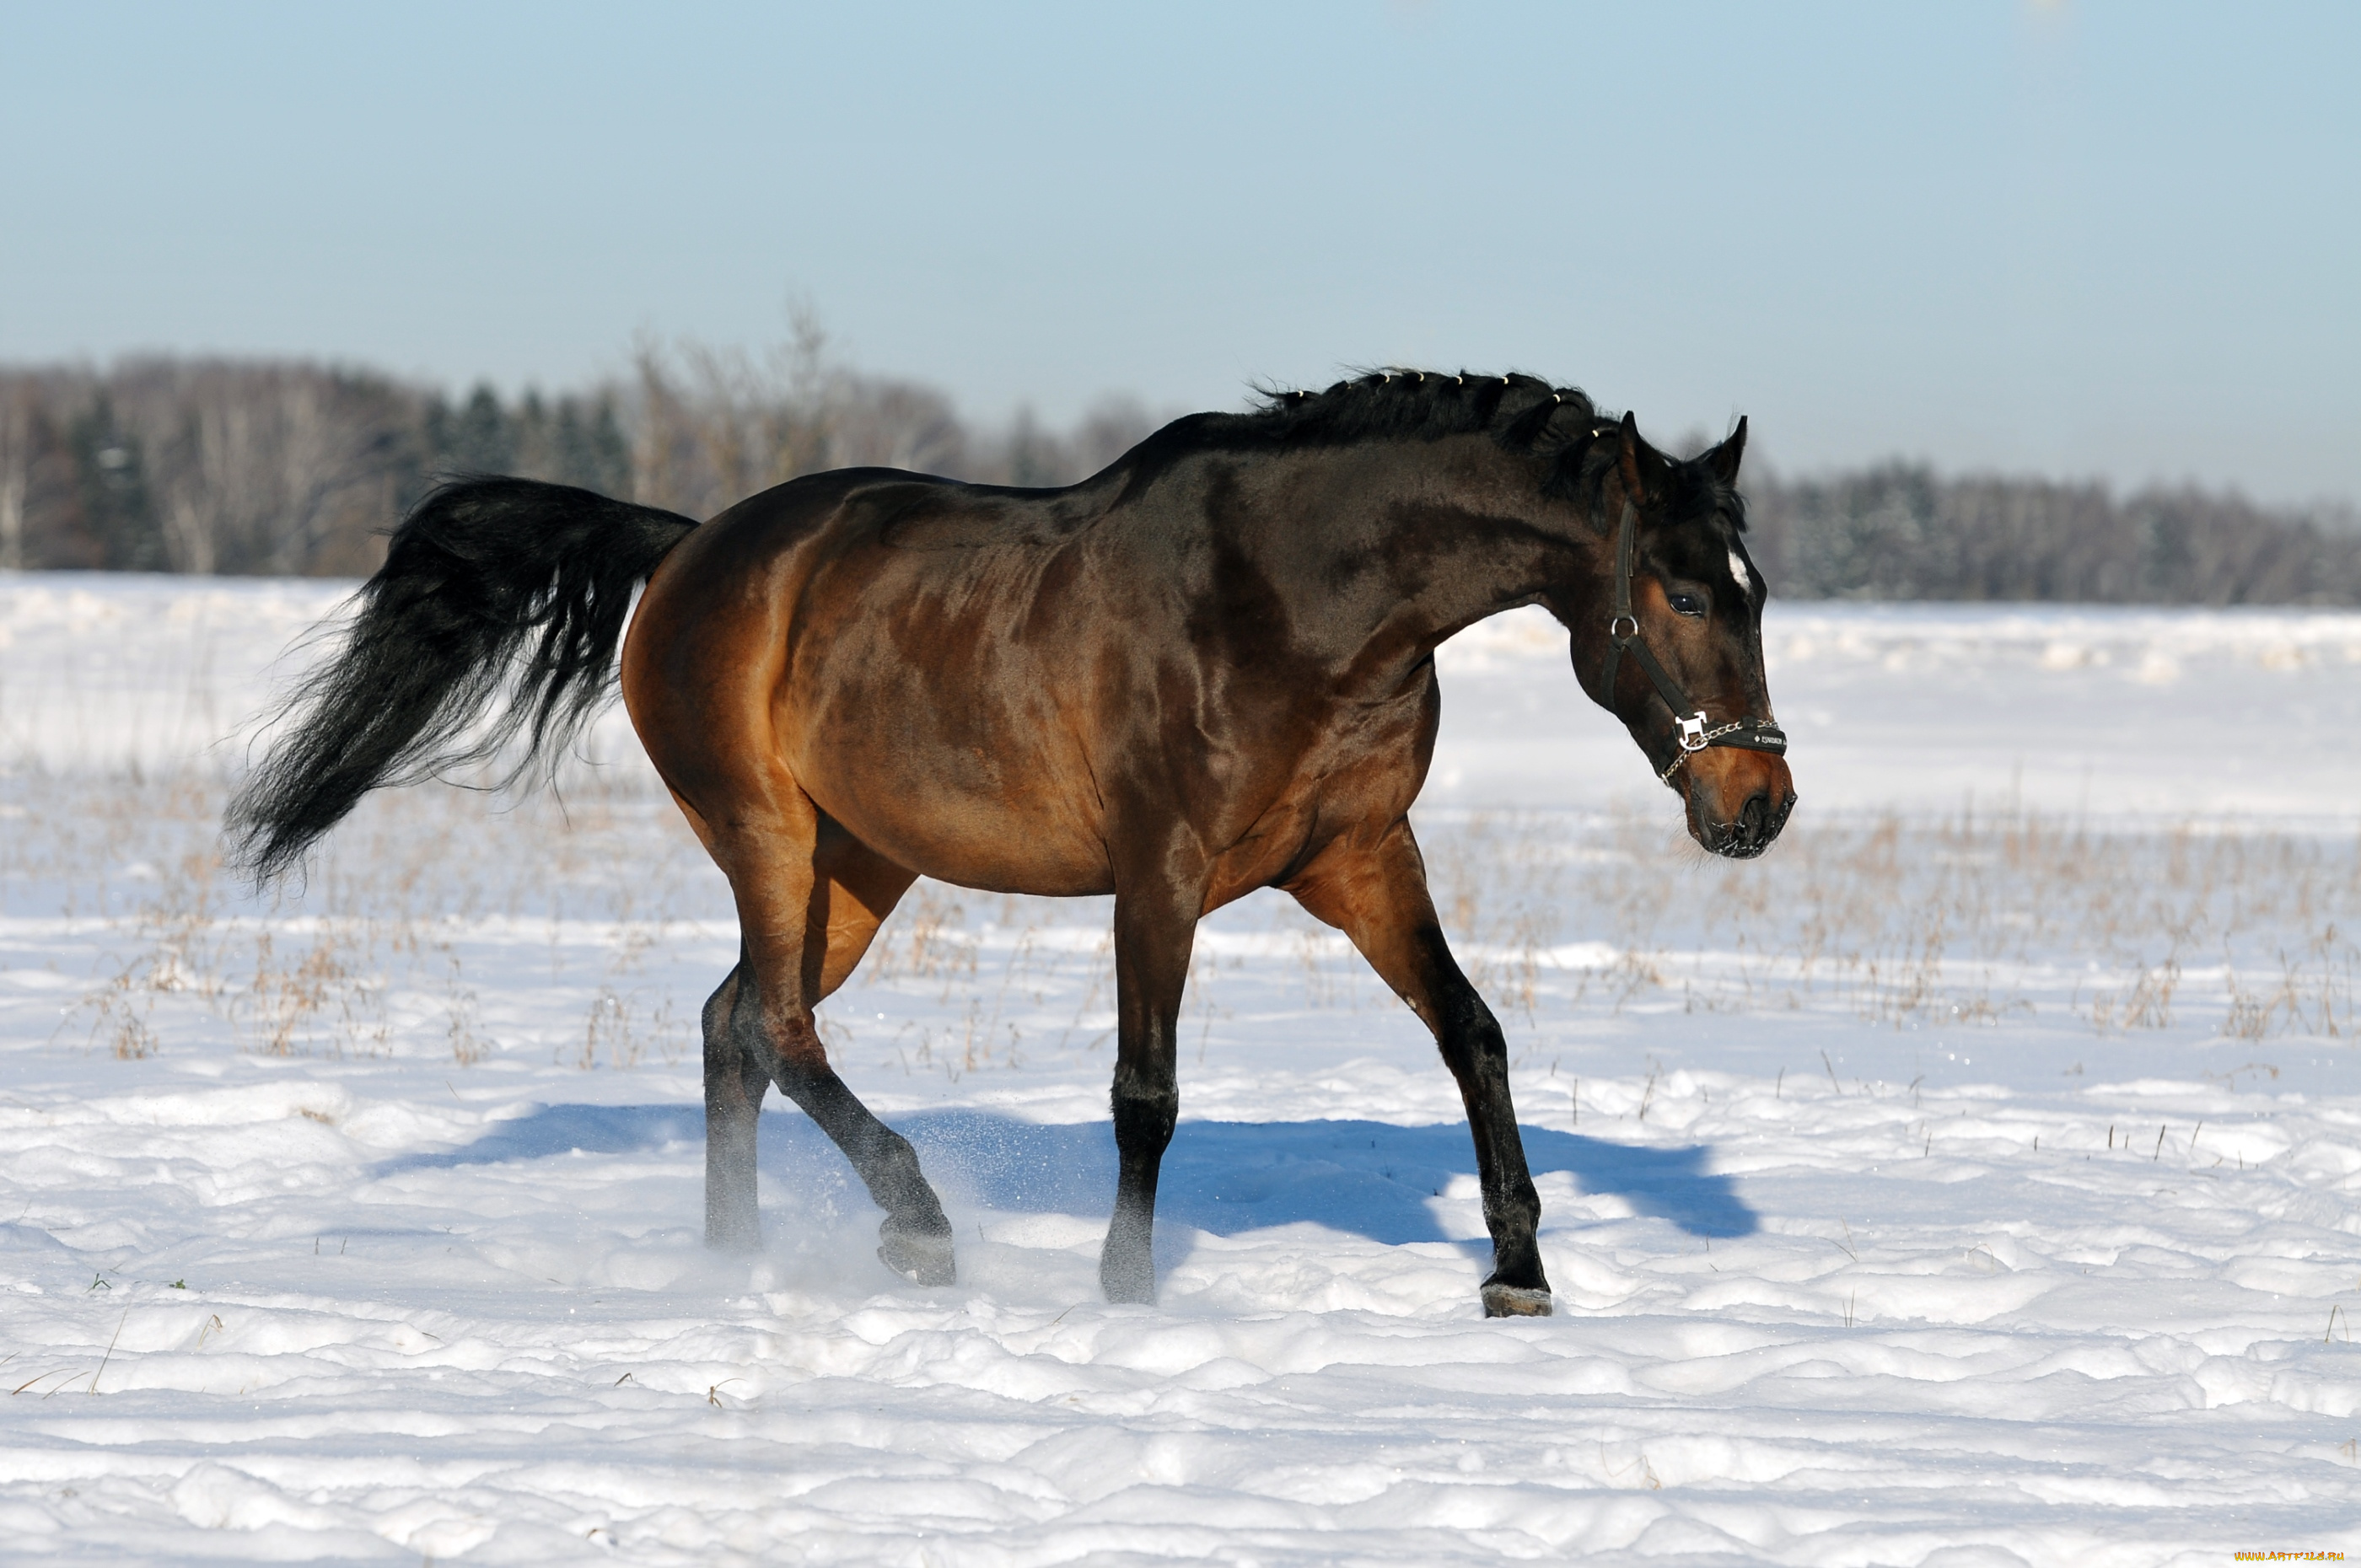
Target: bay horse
1207	669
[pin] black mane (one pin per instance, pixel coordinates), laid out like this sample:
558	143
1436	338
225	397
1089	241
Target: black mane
1399	405
1523	413
1426	405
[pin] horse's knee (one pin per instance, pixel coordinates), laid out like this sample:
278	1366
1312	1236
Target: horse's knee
1474	1044
1145	1115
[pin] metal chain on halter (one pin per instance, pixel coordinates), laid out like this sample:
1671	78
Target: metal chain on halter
1711	737
1693	731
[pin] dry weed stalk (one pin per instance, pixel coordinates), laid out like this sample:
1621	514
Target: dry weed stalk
2148	1004
615	1029
1958	920
1954	921
2315	994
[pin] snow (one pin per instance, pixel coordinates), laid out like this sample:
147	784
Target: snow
1976	1180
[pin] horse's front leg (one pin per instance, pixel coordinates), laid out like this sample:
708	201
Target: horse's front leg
1375	891
1155	930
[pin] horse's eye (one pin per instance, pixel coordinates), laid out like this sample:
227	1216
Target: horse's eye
1687	604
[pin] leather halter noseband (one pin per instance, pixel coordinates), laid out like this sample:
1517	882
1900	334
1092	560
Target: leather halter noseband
1694	730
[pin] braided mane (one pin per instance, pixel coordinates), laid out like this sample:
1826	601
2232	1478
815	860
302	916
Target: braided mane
1519	411
1523	413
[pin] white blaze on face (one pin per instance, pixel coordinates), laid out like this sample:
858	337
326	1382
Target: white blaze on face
1738	570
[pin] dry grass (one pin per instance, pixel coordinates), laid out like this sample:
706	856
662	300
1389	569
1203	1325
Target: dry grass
1895	921
1899	921
309	971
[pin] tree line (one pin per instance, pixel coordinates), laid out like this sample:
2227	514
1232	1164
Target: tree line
165	464
1899	530
271	467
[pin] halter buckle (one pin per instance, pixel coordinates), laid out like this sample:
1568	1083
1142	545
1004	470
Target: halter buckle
1691	736
1619	620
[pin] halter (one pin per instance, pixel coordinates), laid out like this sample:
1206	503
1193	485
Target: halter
1694	731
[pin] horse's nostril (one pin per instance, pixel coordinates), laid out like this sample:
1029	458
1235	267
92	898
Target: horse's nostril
1754	817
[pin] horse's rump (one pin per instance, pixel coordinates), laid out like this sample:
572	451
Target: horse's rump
911	693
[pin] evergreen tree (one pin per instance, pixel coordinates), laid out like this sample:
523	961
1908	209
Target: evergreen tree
478	438
591	451
530	437
112	477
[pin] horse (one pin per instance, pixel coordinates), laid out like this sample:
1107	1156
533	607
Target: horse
1205	670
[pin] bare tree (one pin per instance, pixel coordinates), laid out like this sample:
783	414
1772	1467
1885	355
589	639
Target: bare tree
270	467
713	425
15	472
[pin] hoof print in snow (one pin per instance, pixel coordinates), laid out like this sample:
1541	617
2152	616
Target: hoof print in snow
924	1260
1515	1301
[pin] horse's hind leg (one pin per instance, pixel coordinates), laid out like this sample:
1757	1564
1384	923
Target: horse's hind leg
809	900
1376	894
735	1081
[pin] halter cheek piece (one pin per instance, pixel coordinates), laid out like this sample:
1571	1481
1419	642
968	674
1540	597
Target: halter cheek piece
1694	730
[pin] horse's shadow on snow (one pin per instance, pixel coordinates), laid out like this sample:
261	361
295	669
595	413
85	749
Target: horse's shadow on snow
1370	1179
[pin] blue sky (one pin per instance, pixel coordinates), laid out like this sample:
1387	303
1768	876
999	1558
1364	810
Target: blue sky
2117	240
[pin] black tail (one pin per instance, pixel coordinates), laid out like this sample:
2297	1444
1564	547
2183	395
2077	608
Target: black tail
490	588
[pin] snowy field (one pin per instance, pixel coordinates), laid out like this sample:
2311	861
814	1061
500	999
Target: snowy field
1976	1179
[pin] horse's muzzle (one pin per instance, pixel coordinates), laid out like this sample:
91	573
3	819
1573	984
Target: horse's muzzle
1738	802
1751	831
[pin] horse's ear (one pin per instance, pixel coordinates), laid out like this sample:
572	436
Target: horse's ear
1722	461
1639	462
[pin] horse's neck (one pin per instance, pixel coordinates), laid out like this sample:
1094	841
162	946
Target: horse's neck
1436	546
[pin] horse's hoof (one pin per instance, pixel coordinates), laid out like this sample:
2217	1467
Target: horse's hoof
923	1259
1515	1301
1128	1286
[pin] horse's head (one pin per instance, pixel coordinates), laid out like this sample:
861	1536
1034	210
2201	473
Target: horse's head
1669	637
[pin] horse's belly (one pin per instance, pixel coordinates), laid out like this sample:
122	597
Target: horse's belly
974	833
